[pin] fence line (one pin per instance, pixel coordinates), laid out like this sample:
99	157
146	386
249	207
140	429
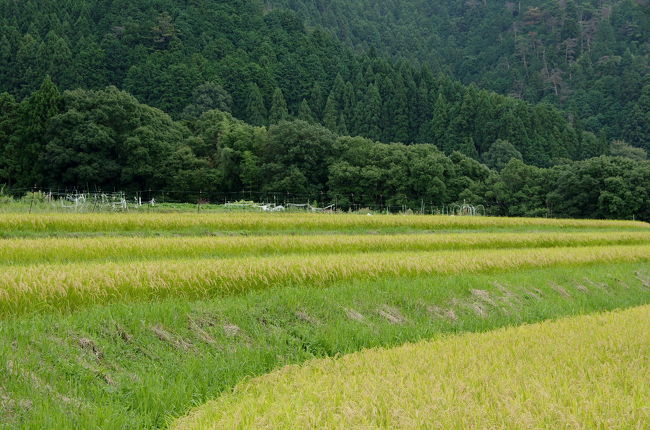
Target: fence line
98	200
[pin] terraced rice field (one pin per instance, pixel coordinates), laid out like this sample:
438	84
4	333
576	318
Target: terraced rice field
592	375
132	321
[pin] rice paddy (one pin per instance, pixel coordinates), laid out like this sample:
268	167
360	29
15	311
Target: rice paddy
592	375
119	321
187	223
97	249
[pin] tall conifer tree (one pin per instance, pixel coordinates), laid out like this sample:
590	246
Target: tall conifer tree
255	109
279	109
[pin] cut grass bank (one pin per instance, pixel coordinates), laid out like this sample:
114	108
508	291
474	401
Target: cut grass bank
583	372
116	249
52	287
61	224
135	365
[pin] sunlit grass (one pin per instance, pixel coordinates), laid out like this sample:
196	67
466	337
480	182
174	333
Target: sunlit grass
117	321
133	365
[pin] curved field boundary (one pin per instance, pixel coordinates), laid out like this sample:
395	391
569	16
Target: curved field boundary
50	287
140	363
582	372
68	250
17	224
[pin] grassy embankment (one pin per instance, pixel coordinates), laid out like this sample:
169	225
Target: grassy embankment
136	365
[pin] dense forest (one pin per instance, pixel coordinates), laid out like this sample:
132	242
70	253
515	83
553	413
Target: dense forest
589	57
240	95
187	57
106	140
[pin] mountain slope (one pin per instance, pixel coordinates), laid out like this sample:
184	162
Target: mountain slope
589	57
263	66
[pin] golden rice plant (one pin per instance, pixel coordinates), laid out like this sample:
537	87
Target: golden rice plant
61	250
66	286
159	222
588	372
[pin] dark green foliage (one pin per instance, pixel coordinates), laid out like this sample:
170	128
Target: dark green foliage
29	134
208	96
108	140
305	113
255	109
192	57
204	63
519	190
295	157
500	153
279	110
8	111
587	56
604	187
637	127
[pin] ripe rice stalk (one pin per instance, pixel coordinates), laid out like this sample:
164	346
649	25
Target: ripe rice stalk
65	250
581	372
68	286
13	224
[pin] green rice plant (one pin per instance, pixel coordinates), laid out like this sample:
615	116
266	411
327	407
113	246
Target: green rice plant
66	287
23	224
134	365
583	372
67	250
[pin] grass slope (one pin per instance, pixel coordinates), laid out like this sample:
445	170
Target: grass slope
135	365
584	372
103	325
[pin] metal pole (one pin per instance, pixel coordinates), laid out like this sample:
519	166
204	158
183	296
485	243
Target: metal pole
31	203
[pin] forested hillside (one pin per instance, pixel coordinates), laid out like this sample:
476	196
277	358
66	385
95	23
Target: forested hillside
189	57
589	57
233	96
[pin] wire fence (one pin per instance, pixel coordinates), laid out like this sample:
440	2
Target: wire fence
74	200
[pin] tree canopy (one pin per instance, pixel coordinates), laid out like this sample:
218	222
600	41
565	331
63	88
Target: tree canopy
530	108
